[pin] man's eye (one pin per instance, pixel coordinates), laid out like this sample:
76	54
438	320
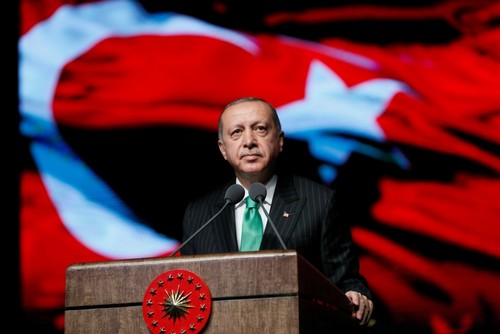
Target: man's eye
236	133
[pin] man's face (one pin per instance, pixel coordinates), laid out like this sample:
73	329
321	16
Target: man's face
250	141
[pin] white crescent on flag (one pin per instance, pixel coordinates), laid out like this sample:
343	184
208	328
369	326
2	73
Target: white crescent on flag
76	191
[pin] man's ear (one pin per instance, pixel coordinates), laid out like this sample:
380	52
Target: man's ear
222	148
282	140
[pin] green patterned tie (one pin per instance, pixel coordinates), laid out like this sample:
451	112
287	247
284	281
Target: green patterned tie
251	235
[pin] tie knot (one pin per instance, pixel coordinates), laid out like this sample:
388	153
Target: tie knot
251	203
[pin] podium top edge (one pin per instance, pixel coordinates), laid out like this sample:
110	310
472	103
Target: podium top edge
187	258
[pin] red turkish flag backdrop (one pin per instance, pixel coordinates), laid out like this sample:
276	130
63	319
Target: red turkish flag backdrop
449	123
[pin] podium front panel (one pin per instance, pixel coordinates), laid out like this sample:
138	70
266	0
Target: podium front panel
266	291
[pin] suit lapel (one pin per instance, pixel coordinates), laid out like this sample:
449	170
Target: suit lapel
227	231
285	211
224	226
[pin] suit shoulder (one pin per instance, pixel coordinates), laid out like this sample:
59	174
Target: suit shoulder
302	182
213	196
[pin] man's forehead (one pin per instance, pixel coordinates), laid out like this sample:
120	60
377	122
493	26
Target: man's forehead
245	108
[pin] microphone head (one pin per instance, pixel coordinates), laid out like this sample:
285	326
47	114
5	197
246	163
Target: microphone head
257	192
234	194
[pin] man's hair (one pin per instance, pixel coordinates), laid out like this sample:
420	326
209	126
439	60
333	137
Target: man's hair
276	119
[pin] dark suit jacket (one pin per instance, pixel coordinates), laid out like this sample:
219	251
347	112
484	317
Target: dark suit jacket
305	215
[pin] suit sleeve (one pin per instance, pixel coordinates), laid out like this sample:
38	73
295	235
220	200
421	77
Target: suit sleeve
188	228
339	256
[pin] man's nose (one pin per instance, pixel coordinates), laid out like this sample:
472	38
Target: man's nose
249	138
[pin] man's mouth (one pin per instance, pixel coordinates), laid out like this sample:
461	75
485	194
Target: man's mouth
250	156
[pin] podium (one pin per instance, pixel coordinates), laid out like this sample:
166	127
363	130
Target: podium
274	291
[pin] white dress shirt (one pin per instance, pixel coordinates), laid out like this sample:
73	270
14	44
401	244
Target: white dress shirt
240	207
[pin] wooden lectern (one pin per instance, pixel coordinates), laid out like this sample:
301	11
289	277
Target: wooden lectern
252	292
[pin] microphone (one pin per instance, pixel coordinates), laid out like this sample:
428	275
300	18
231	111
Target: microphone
234	194
258	192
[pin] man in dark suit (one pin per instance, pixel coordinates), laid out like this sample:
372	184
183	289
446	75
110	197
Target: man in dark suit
303	211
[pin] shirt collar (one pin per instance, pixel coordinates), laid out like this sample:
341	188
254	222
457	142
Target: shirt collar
270	188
